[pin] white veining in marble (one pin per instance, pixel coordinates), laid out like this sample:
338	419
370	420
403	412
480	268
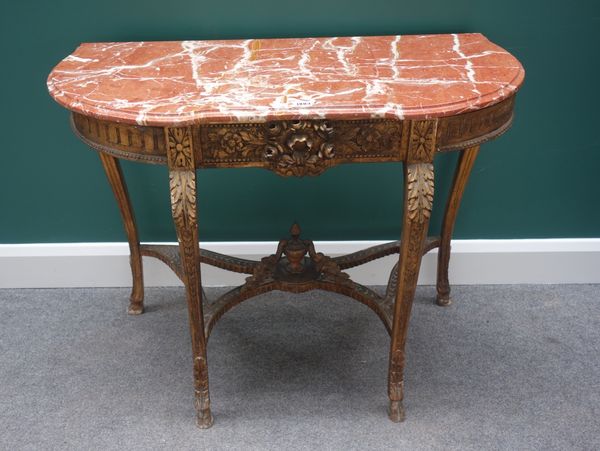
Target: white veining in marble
177	83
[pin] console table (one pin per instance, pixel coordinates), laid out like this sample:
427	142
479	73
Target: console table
296	107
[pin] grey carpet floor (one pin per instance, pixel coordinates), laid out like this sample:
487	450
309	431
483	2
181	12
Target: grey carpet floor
506	367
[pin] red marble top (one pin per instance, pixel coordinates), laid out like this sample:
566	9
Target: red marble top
178	83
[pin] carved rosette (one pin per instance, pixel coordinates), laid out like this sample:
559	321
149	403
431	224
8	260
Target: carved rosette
232	143
422	141
420	186
179	148
182	178
298	147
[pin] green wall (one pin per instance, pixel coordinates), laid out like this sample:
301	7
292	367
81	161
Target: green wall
539	180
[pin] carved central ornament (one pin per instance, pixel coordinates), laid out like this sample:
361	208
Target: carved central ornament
298	147
296	262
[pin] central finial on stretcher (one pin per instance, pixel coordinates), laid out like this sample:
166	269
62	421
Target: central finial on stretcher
295	250
295	261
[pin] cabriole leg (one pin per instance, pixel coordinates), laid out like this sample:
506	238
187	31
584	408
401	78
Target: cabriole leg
182	181
117	182
465	163
418	199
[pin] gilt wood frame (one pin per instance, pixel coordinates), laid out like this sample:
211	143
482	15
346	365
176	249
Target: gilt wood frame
297	148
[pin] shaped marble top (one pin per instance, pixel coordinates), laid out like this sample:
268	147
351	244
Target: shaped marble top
255	80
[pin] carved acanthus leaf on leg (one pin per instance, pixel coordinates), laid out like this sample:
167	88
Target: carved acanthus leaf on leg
183	196
420	191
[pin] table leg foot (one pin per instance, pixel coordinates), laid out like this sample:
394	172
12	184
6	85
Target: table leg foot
396	411
443	285
135	308
136	300
444	301
204	419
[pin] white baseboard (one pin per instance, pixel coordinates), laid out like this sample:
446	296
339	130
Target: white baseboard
540	261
